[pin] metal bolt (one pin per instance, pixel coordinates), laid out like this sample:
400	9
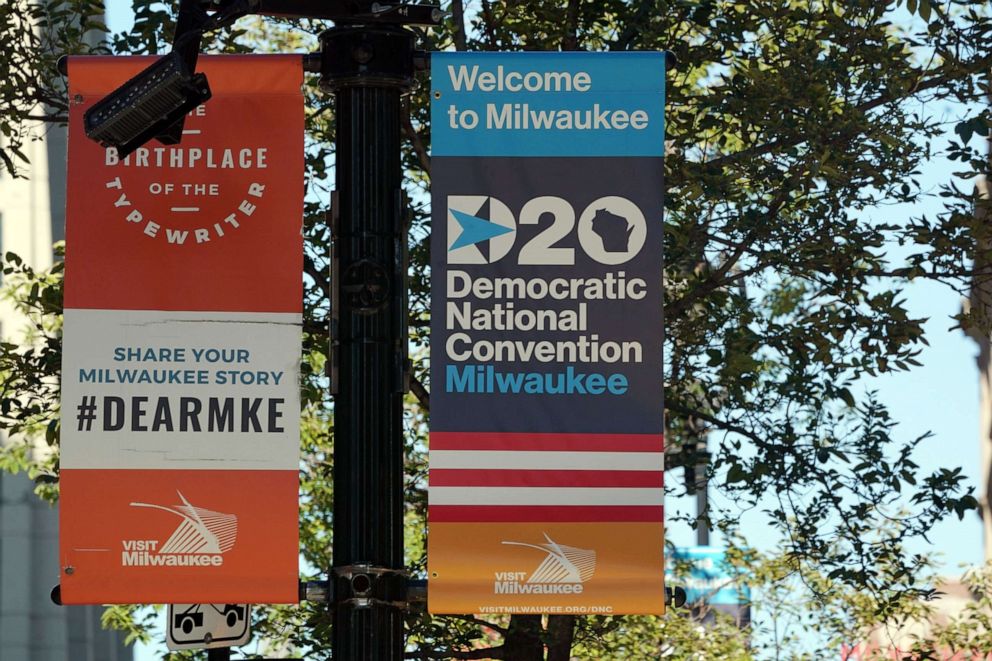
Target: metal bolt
207	638
69	569
316	591
362	53
437	94
361	584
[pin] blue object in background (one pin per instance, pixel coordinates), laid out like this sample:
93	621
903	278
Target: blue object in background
712	582
711	579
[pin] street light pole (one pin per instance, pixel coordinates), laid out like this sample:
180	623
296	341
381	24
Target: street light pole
702	493
368	68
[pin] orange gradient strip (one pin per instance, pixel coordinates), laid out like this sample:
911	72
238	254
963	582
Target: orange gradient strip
466	558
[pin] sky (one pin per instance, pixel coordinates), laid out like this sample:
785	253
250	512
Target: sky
941	396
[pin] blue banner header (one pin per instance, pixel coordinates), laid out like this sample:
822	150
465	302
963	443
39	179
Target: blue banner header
543	104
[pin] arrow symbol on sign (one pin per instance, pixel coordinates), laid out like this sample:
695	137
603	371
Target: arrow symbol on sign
475	230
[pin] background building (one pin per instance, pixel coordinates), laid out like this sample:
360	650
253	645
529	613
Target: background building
980	306
32	628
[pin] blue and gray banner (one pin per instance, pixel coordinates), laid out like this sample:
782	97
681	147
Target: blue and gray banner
546	329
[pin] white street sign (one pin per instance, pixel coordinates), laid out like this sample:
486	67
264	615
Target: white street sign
199	626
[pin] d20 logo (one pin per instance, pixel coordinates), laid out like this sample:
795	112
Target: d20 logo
611	230
481	229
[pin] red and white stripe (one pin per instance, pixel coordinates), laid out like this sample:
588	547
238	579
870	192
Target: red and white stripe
500	476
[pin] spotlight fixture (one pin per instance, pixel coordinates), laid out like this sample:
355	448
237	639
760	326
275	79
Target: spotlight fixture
154	103
146	106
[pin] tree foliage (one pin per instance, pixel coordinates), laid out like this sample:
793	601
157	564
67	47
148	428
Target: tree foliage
792	127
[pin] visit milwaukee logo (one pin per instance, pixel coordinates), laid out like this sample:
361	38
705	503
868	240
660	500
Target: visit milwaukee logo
563	571
201	539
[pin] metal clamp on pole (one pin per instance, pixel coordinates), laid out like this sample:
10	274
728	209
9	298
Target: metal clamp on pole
362	586
316	591
416	595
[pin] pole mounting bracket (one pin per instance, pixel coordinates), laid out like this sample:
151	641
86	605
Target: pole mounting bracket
363	585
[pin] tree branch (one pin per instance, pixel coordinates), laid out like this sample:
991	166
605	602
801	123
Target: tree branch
60	119
716	280
561	633
570	41
319	277
775	145
644	10
482	623
716	422
489	24
712	284
458	19
420	392
418	144
523	640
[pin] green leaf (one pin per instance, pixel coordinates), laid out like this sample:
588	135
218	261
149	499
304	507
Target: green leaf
847	397
735	474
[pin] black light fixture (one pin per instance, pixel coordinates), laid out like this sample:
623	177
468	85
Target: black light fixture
154	103
147	106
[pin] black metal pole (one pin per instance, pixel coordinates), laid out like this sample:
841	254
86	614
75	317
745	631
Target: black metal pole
219	654
368	68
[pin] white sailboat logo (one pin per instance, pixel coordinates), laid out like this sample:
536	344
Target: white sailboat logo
563	564
201	530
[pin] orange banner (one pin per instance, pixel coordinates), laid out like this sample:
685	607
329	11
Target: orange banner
568	568
183	311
